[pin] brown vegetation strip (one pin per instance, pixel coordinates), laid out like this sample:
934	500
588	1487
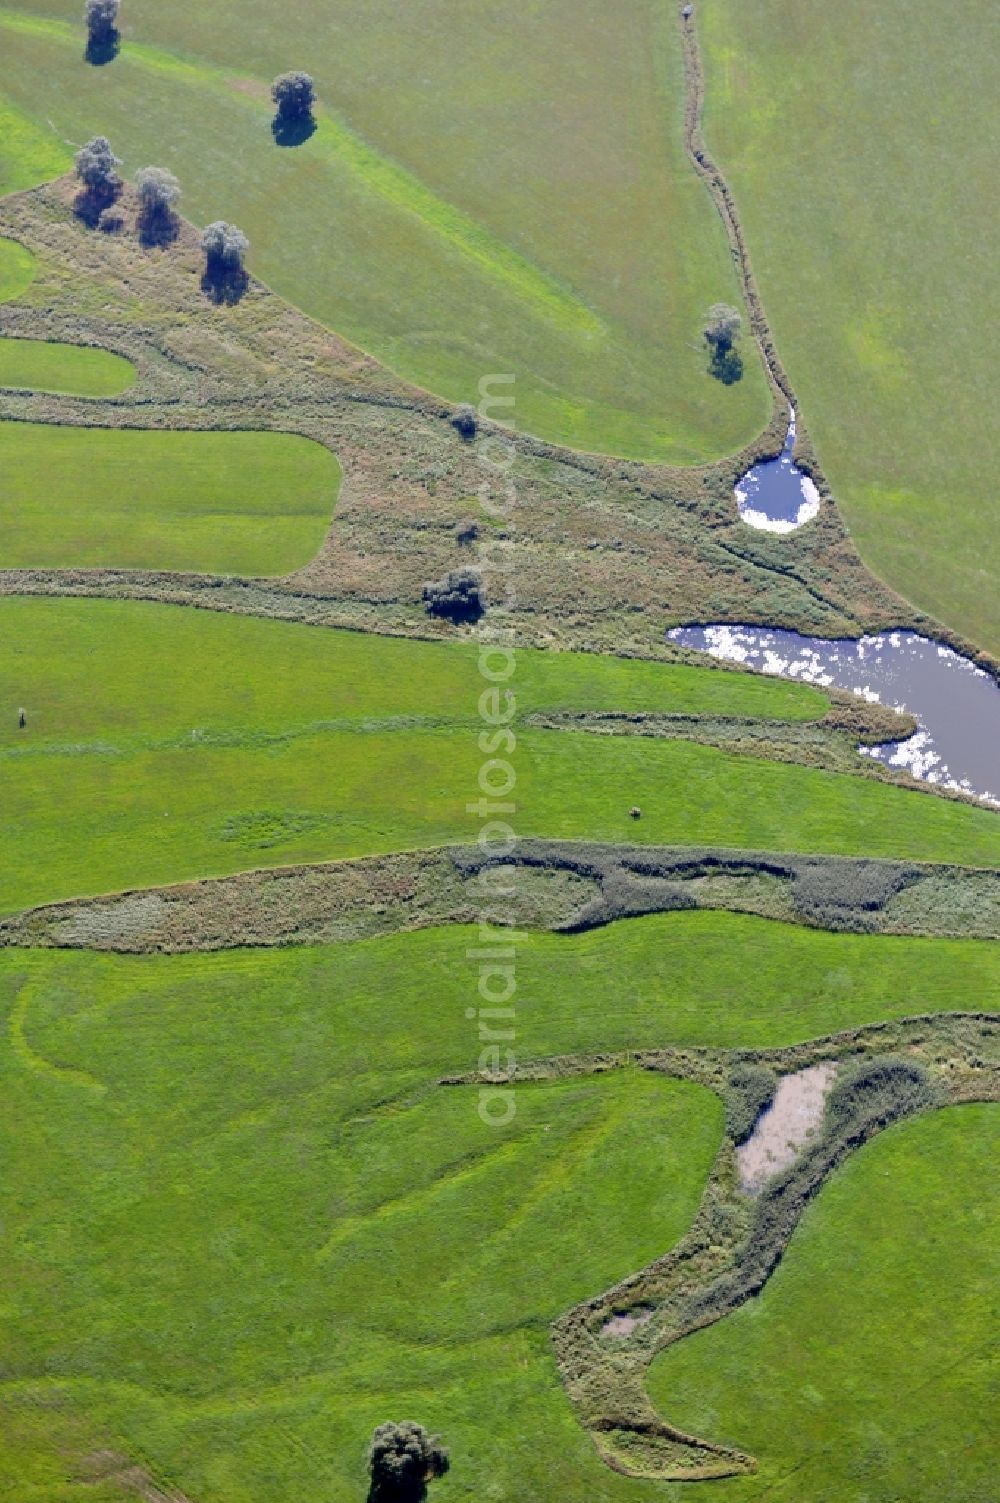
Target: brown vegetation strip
561	886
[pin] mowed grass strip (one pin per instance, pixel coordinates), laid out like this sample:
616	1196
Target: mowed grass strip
17	269
428	244
128	776
874	247
867	1367
40	365
264	1240
232	503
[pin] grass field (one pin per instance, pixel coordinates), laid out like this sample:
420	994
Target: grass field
866	1369
37	365
387	1247
873	244
201	744
237	503
588	275
17	269
244	1224
29	153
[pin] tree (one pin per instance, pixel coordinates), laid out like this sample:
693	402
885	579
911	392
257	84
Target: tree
225	279
224	246
95	167
402	1459
721	333
294	95
458	597
158	191
723	327
100	17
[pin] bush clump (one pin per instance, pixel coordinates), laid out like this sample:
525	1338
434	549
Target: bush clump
458	597
749	1093
465	422
402	1459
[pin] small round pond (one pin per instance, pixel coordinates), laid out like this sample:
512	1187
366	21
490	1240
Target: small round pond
956	704
775	496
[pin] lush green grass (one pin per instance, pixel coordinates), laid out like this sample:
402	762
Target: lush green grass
39	365
236	503
866	1370
411	222
158	740
243	1225
231	1259
874	246
29	153
17	269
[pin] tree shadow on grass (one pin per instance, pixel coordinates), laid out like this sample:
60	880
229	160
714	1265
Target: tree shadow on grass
292	132
726	365
103	49
158	227
224	284
90	203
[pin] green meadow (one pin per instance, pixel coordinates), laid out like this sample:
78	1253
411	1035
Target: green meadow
244	1223
165	744
17	269
233	503
38	365
873	243
570	243
865	1369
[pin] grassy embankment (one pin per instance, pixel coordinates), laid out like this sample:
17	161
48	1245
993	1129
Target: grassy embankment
873	245
163	745
864	1369
246	1225
432	247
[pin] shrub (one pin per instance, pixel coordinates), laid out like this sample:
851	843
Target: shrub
465	422
458	597
402	1459
723	327
750	1092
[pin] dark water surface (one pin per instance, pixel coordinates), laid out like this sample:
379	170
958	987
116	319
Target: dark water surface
956	704
775	496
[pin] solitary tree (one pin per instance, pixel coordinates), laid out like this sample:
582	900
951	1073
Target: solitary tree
100	17
294	95
721	333
158	191
402	1459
